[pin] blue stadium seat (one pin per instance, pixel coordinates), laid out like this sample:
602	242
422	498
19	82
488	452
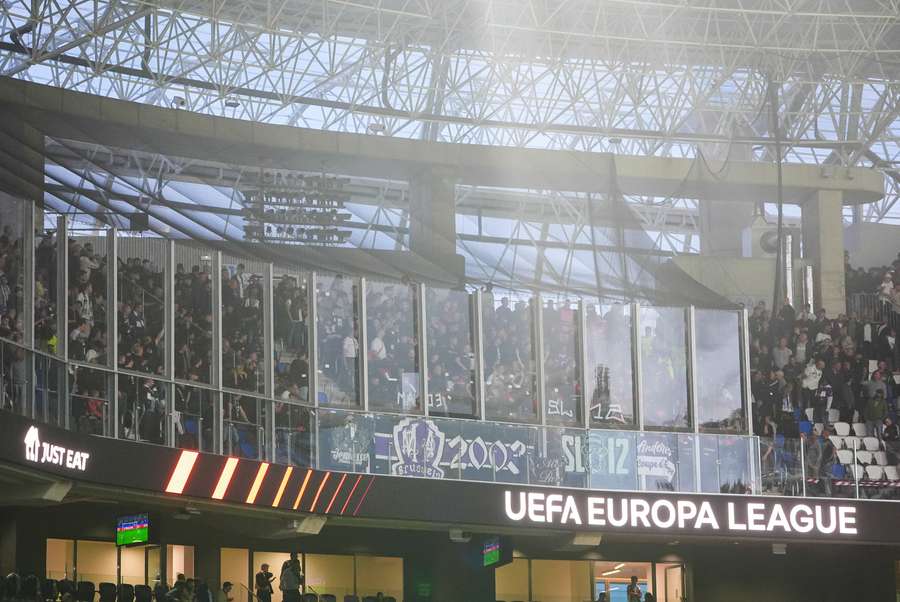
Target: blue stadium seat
838	471
806	427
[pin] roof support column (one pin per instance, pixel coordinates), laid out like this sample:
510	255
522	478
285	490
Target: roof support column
823	247
432	218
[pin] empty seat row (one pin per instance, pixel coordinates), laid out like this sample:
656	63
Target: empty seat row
872	472
843	429
871	444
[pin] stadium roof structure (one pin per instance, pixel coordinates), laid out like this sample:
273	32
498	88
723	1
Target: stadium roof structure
653	78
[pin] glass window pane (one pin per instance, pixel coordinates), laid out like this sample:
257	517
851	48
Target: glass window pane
664	368
143	409
15	379
509	364
614	578
451	353
194	418
613	460
609	373
140	302
49	380
243	423
12	266
87	280
60	558
560	580
90	410
193	314
243	335
511	580
718	370
97	561
290	314
294	434
45	287
392	347
346	441
337	344
379	574
665	461
234	566
132	565
562	363
330	574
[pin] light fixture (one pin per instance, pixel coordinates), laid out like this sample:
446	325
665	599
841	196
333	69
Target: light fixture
178	101
608	573
620	565
232	103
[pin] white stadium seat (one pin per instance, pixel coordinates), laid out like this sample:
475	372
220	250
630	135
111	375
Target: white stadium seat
875	473
842	428
872	443
864	457
809	414
859	429
891	473
856	471
845	456
818	428
880	458
837	441
852	443
834	415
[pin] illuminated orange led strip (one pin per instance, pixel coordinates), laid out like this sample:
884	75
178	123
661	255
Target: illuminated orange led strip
336	491
284	482
302	488
352	491
225	478
182	472
319	492
257	483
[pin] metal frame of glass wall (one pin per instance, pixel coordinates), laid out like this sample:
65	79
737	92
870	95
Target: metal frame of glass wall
559	386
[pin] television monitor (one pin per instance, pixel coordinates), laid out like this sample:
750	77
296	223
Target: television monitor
133	530
495	552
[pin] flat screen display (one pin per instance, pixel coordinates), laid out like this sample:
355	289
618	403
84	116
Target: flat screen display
490	552
132	530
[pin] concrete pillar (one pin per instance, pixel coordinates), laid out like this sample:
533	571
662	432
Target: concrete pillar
21	160
721	226
432	218
823	248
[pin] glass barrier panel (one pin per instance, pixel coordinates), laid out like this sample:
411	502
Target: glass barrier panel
560	459
664	367
450	326
448	434
194	418
718	351
509	452
49	380
781	466
243	334
87	282
89	401
510	379
13	214
337	334
665	462
15	379
291	325
294	433
346	441
140	304
193	314
609	372
472	451
392	347
45	288
143	409
612	460
562	363
243	418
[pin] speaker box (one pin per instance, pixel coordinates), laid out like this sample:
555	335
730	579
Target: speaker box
139	222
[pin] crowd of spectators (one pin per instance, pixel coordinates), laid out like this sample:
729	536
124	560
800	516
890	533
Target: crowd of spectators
87	303
193	324
451	357
392	347
561	363
338	341
509	362
242	330
810	371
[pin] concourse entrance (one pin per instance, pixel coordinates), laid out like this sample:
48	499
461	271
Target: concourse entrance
584	580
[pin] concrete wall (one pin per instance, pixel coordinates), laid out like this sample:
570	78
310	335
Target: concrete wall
742	280
872	245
